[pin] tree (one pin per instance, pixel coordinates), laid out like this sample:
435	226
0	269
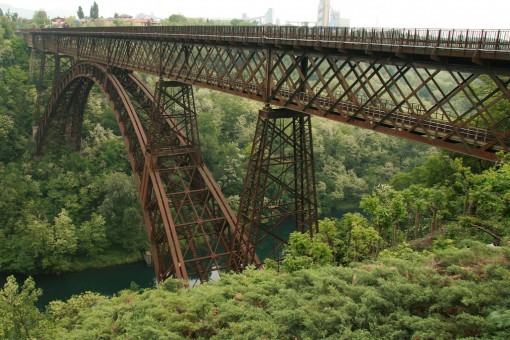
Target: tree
304	252
397	214
80	13
40	19
416	206
437	199
7	28
19	315
1	13
94	11
177	20
329	234
357	239
121	211
63	243
490	201
386	210
92	236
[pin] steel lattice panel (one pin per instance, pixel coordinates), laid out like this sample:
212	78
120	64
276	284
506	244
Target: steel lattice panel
189	224
447	96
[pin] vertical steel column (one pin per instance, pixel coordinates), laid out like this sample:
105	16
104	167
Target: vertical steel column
279	192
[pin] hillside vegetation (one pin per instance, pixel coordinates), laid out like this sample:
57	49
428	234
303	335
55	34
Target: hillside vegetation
444	294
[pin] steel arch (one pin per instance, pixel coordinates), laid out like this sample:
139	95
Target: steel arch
174	245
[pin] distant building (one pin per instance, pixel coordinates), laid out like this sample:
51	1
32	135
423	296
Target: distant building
328	17
334	18
58	22
266	19
145	22
323	13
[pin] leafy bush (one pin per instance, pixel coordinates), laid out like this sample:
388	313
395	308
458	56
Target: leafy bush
421	296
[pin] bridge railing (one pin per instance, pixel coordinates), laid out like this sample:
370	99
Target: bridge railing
490	40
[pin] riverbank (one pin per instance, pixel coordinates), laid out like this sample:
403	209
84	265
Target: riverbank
109	259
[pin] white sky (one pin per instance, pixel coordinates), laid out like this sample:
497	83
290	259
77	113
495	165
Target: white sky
362	13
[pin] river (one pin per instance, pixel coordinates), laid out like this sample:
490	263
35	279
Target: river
106	281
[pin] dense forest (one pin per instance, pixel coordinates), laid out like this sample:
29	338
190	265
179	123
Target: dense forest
424	253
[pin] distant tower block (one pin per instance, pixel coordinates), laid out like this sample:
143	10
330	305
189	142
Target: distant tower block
335	19
268	19
323	13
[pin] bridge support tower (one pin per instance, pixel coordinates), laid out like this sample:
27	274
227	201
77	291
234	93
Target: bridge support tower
191	226
279	192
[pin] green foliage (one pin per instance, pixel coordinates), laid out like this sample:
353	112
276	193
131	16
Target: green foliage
389	298
40	19
387	211
120	208
177	19
329	233
80	13
181	20
7	28
51	219
92	236
500	318
436	171
19	317
305	252
16	104
400	251
61	243
94	11
357	239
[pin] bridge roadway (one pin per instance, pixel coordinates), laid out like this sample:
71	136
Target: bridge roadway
447	88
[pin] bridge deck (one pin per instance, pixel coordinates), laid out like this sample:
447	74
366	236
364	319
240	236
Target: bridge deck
440	87
465	47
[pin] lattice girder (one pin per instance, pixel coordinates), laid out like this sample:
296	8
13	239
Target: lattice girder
189	224
448	100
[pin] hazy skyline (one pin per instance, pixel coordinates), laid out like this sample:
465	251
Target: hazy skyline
368	13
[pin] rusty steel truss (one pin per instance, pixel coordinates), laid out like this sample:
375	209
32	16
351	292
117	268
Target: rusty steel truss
447	88
189	224
279	192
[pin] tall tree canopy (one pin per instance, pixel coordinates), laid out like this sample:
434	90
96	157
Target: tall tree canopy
40	19
94	11
80	13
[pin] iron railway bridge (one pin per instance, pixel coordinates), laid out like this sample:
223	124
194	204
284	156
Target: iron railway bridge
446	88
